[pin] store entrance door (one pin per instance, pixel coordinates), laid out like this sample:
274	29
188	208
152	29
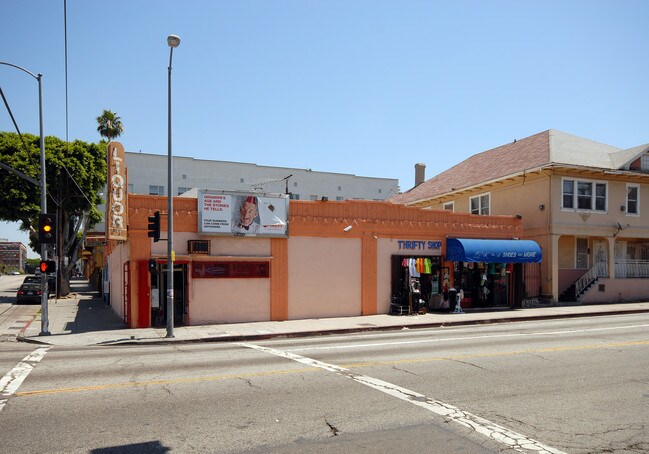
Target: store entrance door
159	300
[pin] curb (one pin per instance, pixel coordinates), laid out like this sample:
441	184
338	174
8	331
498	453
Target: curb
316	333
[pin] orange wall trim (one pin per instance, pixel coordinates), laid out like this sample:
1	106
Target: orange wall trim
279	279
368	276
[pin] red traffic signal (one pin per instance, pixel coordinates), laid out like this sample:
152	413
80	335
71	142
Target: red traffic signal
48	266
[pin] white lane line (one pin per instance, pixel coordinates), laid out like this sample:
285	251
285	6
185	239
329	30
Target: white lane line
453	339
12	380
482	426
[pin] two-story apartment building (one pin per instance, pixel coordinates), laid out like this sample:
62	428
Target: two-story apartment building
585	203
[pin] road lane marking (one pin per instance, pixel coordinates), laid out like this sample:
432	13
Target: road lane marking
480	425
314	368
12	380
454	339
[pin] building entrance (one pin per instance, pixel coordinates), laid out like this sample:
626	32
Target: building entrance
159	295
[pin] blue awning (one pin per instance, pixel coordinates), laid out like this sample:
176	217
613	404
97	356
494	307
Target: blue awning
492	251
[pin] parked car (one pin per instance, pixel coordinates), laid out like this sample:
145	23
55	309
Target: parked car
32	280
15	273
29	293
51	282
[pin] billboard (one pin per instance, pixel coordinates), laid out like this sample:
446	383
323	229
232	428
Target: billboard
242	214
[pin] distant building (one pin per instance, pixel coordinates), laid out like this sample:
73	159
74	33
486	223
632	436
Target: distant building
13	256
147	175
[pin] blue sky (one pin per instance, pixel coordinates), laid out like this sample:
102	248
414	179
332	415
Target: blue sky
362	87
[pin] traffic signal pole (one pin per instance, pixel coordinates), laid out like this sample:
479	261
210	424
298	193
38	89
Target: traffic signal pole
45	321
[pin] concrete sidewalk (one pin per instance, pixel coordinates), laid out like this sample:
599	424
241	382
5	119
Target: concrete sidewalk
84	319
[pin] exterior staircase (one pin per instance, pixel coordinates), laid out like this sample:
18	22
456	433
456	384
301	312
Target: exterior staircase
585	282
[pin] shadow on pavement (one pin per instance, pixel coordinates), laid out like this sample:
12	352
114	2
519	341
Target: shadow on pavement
93	314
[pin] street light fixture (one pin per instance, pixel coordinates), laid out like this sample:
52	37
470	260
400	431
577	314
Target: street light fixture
45	328
173	41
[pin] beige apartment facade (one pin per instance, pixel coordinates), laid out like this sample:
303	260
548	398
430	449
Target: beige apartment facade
586	204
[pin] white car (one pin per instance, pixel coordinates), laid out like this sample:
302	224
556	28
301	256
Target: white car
15	273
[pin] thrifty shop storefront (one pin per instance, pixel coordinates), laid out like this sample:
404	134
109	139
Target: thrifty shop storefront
296	259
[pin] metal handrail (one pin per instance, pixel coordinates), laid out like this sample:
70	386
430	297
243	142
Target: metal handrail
599	270
625	268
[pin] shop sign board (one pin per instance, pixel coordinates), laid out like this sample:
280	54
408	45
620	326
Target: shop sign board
231	213
418	245
116	213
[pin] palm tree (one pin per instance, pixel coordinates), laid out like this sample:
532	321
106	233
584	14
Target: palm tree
109	125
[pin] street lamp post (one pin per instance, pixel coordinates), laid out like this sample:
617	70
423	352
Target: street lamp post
173	41
45	324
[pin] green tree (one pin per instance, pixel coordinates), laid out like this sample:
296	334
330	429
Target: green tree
75	175
109	125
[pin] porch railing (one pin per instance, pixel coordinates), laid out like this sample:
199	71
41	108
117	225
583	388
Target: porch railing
599	270
631	268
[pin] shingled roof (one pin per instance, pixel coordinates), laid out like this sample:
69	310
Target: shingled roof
542	149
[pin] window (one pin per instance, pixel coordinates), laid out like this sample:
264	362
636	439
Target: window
632	199
313	197
339	198
182	190
480	204
588	196
449	206
241	180
156	190
568	194
340	188
644	162
294	196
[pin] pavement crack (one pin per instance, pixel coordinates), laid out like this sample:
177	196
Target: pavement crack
403	370
467	363
247	380
166	388
334	430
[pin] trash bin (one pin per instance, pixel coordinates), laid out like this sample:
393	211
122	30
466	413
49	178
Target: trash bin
452	299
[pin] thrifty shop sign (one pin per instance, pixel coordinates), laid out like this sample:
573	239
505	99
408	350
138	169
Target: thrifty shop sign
413	245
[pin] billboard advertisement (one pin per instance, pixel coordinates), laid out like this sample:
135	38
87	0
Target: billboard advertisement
242	214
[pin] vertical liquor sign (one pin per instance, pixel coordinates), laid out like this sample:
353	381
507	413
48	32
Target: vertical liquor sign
116	214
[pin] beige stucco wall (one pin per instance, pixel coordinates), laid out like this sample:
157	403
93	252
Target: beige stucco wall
119	256
324	277
214	300
229	301
616	291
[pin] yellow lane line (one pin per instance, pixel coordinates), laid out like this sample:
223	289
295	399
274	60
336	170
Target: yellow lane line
313	369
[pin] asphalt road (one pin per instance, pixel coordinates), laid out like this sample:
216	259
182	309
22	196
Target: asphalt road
577	386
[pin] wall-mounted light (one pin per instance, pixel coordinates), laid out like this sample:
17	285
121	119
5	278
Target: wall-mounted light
518	216
622	208
347	229
541	207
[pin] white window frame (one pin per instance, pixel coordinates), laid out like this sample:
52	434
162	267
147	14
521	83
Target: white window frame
449	206
481	209
593	195
159	190
637	200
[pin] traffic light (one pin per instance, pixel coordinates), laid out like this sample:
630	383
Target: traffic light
48	266
46	229
154	227
153	266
